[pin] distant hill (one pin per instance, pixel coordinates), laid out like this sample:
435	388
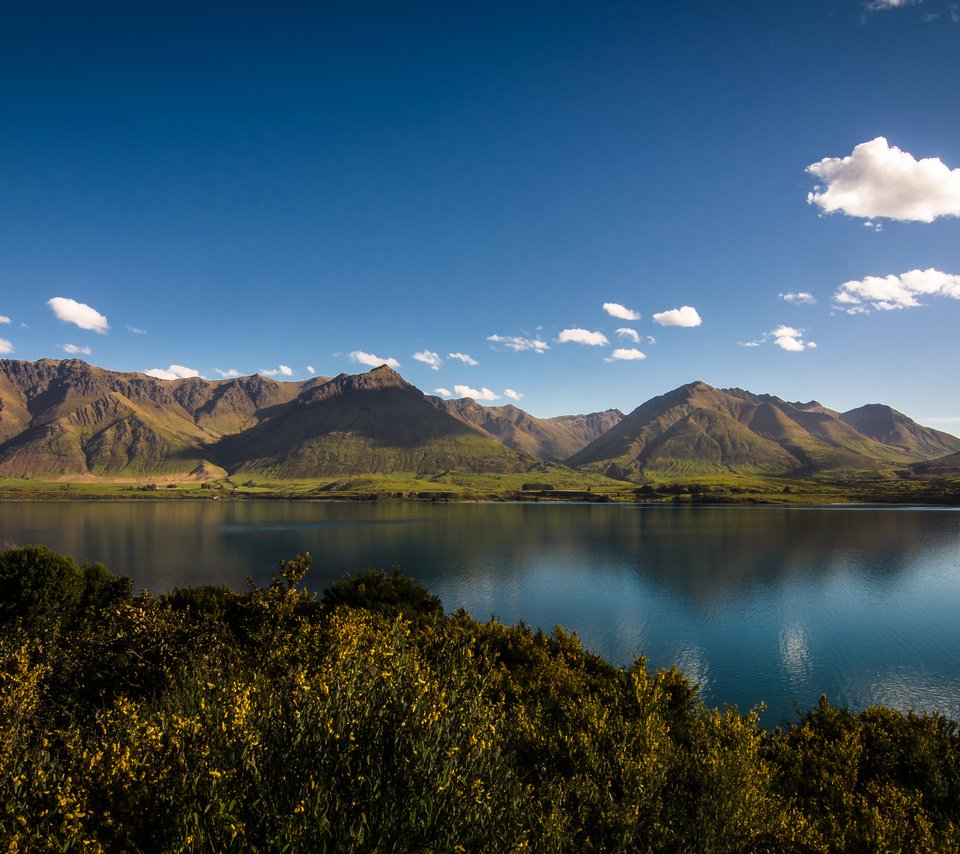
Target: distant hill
698	430
548	438
68	419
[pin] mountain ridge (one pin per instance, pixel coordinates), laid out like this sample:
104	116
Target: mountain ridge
66	418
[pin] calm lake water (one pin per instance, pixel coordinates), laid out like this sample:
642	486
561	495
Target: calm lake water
756	603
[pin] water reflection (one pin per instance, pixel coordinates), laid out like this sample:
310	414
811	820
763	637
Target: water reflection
754	603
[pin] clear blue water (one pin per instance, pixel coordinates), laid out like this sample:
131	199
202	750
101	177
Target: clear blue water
754	603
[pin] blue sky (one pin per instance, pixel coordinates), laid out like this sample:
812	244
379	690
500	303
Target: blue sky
239	187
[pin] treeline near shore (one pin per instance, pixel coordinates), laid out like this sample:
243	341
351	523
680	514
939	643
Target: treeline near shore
365	719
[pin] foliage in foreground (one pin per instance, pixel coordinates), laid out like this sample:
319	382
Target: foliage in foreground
276	720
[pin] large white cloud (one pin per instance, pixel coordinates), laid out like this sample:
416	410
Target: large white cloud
888	293
879	180
174	372
6	347
630	334
513	395
78	313
626	354
686	315
75	350
614	309
582	336
428	357
519	344
372	361
463	357
476	394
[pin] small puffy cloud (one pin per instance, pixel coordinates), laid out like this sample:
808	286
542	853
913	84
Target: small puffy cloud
430	358
684	316
136	330
614	309
785	337
799	298
629	334
476	394
463	357
626	354
283	370
651	340
519	344
311	370
513	395
232	372
888	293
883	5
6	348
78	313
74	350
582	336
174	372
790	339
443	392
372	361
878	180
4	319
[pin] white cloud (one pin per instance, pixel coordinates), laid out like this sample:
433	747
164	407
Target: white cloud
878	180
4	319
476	394
883	5
174	372
684	316
582	336
233	372
430	358
284	370
443	392
311	370
518	344
651	340
631	334
799	298
614	309
5	347
887	293
463	357
626	354
785	337
73	349
136	330
78	313
790	339
513	395
372	361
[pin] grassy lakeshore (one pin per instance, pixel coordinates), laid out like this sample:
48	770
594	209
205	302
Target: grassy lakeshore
556	486
366	719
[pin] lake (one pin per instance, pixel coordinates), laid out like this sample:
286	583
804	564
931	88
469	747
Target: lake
753	603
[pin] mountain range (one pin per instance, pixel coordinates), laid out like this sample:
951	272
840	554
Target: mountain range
66	419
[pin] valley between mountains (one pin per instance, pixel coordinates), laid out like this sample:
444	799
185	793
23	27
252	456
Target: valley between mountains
68	423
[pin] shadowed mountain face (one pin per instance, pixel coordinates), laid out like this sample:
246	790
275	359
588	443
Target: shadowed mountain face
70	419
60	418
552	439
700	430
372	423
